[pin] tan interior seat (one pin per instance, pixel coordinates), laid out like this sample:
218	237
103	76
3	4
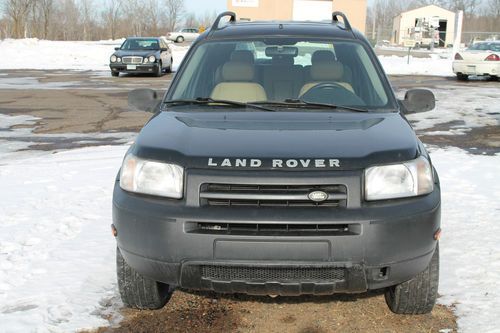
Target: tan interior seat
237	56
237	84
326	71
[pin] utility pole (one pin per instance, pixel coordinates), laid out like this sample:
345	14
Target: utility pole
459	18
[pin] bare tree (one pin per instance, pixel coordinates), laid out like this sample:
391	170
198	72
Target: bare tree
494	7
111	15
17	11
174	12
87	14
45	10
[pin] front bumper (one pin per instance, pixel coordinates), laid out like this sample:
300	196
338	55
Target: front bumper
139	68
476	68
389	242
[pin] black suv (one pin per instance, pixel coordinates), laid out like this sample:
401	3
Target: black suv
279	162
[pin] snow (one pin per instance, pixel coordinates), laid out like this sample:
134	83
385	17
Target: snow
470	243
31	53
52	55
461	110
434	66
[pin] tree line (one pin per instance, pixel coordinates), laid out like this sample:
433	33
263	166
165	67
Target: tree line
479	15
95	19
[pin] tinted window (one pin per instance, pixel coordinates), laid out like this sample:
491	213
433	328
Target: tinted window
277	70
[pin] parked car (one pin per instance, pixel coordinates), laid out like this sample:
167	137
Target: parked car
286	171
481	58
187	34
142	55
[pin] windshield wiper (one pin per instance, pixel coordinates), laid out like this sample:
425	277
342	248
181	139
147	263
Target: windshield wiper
208	100
291	103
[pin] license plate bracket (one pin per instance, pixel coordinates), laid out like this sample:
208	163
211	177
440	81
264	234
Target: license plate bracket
131	67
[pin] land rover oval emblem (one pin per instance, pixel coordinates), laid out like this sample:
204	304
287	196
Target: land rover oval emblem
318	196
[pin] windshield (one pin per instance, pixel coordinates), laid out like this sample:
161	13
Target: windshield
485	47
140	44
275	70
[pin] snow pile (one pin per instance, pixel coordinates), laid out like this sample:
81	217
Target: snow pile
435	66
470	245
57	270
44	54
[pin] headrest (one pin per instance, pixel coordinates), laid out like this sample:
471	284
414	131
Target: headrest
283	60
243	56
237	71
322	55
327	71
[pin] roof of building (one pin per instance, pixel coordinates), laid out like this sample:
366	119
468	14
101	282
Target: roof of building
429	7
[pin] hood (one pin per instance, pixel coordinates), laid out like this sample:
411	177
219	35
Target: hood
136	53
344	141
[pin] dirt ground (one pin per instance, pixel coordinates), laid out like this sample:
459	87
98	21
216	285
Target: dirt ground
197	312
86	102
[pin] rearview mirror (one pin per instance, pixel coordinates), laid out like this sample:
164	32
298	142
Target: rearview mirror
419	100
143	100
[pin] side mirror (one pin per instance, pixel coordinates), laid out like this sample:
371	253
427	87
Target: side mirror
117	48
419	100
143	100
164	49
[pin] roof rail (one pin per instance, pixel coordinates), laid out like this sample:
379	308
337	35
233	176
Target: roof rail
215	26
335	19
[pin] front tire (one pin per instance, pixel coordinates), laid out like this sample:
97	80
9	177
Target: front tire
179	39
115	74
159	71
137	291
169	68
462	77
417	296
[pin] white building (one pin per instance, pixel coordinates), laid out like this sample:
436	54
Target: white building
407	23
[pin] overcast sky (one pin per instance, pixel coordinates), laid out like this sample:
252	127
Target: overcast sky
200	6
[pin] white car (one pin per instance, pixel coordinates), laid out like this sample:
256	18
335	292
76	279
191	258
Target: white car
482	58
188	34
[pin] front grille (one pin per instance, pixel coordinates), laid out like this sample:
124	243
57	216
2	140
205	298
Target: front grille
132	60
229	195
270	274
273	229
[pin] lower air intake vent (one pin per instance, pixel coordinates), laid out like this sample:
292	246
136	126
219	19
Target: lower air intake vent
268	274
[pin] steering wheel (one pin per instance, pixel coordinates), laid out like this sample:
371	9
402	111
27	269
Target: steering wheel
327	85
331	93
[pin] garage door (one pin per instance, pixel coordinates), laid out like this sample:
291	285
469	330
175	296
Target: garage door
312	10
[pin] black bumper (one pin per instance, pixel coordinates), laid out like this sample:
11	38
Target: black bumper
389	242
140	68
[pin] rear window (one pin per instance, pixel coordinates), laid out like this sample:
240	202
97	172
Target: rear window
495	47
278	70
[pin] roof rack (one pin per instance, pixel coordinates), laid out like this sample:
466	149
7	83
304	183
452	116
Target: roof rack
335	19
215	26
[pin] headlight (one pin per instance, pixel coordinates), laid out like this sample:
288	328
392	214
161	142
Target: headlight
118	59
113	58
150	177
145	60
152	59
407	179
